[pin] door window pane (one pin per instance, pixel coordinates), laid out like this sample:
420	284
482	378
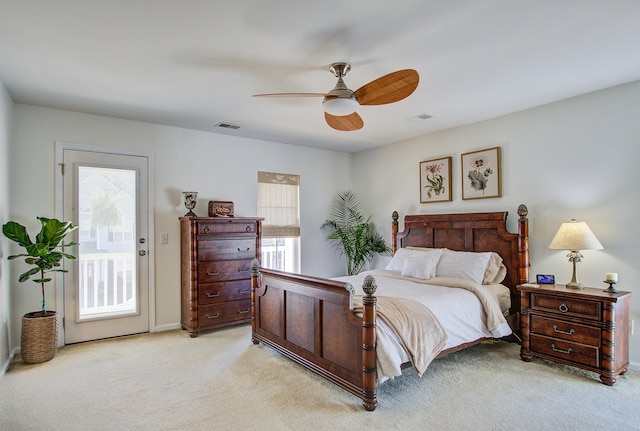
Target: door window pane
106	214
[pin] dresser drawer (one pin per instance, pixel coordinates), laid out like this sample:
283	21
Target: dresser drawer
567	306
223	291
224	270
228	226
215	314
227	249
565	330
566	350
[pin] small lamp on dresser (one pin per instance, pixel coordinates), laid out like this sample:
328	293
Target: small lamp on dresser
575	236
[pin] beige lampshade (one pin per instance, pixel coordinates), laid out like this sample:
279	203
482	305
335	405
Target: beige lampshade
575	235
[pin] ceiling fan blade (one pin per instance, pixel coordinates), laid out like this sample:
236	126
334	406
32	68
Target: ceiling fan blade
388	88
345	123
295	95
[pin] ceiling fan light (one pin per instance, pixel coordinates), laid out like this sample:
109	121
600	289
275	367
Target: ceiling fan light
340	106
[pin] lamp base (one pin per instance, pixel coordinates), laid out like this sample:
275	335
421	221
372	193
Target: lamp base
574	285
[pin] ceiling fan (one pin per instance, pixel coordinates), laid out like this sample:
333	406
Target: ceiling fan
340	104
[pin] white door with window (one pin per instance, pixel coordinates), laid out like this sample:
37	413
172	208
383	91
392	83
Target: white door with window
106	291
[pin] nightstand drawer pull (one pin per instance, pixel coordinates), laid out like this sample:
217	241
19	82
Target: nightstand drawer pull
209	295
244	270
563	307
213	272
246	249
244	311
244	290
571	331
215	316
555	349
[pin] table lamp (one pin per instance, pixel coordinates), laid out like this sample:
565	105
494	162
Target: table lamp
575	236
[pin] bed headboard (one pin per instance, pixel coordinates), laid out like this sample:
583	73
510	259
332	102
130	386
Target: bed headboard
477	232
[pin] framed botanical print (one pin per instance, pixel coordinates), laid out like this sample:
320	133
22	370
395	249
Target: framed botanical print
435	180
481	177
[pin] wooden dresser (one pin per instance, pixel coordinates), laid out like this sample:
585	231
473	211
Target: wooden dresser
586	328
216	255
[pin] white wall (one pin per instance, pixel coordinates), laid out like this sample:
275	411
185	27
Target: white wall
6	105
576	158
217	166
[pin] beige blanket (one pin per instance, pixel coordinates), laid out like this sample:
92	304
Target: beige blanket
418	330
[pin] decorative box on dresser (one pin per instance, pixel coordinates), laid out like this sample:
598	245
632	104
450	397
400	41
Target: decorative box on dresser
587	328
216	255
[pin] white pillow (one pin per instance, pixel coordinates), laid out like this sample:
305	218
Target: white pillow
421	265
395	264
462	264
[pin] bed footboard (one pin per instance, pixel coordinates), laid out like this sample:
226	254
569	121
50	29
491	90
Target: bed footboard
311	321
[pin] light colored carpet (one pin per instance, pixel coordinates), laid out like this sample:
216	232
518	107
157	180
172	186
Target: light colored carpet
168	381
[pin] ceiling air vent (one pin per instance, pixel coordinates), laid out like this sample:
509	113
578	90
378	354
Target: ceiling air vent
420	117
228	126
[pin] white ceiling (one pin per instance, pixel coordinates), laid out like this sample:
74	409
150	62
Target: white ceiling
194	63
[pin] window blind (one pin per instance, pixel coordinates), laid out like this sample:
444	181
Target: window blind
278	203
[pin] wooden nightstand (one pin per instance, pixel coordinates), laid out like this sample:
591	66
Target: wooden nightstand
586	328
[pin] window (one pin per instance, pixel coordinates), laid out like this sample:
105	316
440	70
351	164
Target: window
278	203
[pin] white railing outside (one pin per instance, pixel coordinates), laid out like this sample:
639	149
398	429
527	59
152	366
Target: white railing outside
273	257
107	284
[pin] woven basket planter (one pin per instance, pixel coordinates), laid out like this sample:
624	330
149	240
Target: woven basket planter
39	341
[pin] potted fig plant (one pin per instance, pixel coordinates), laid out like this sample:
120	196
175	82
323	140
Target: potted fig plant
39	336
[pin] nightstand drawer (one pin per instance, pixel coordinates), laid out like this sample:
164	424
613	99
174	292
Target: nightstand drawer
567	306
565	330
566	350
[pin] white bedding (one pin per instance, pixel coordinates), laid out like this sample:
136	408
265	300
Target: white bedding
458	310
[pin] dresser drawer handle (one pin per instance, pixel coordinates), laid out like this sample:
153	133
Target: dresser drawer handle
209	295
213	272
244	311
244	290
209	316
244	270
571	331
248	229
206	229
563	307
555	349
247	249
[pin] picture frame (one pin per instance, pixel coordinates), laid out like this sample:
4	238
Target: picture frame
481	176
435	180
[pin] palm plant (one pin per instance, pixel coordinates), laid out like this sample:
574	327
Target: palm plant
353	234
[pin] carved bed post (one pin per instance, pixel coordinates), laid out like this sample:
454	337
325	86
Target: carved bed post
255	284
523	244
394	232
369	399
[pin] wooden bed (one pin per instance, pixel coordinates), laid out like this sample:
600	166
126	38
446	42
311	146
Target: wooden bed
311	320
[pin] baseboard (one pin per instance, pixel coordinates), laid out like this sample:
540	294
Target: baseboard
9	362
634	366
167	327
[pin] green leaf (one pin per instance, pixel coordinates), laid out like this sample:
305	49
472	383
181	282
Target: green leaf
26	275
16	232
